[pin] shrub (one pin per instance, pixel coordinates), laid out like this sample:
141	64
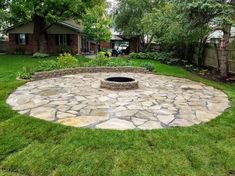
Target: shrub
48	65
148	55
67	60
133	55
64	49
172	61
100	60
149	66
40	55
118	63
163	57
25	73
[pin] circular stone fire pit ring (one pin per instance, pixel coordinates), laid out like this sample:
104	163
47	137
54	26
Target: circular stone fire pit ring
119	83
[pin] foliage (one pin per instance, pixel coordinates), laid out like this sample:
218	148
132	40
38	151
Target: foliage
25	73
40	55
100	60
163	57
45	12
48	65
97	24
131	12
119	63
176	25
149	66
51	11
4	15
67	61
64	49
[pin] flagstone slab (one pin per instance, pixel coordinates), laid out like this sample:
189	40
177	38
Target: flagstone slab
160	102
116	124
82	121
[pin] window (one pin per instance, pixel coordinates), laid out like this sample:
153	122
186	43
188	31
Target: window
62	39
85	44
21	39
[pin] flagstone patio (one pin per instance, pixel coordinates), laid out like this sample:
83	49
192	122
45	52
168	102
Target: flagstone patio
160	102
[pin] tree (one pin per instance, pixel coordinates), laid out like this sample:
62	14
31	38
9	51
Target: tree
226	24
97	24
3	14
45	12
202	15
128	17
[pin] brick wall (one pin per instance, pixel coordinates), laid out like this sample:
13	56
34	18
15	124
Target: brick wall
50	47
74	43
29	48
105	45
53	48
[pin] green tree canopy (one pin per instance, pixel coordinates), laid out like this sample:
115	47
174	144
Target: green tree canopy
44	12
97	24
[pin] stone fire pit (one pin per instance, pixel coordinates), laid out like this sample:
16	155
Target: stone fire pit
119	83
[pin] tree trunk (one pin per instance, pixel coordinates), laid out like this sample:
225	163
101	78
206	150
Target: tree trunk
201	52
149	43
223	59
39	33
191	53
186	51
217	56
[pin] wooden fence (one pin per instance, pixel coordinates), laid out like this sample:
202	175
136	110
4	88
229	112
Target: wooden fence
212	58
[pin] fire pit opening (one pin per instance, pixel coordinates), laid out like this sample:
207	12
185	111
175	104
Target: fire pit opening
119	83
120	79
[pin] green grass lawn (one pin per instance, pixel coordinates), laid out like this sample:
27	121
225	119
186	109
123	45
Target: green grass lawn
30	146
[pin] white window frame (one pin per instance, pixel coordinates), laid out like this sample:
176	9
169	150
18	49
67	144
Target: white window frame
22	39
62	39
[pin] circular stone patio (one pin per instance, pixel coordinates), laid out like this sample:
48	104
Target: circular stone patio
160	102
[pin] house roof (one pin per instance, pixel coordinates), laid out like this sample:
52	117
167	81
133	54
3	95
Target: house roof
219	34
71	24
115	37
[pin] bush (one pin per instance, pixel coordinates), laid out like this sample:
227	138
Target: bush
163	57
64	49
119	63
100	60
25	73
148	55
133	55
40	55
48	65
67	61
149	66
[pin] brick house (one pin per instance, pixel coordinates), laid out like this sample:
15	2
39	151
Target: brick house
62	34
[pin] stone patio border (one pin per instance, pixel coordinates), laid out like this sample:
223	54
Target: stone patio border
62	72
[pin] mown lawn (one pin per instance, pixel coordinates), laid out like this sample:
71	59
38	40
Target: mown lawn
30	146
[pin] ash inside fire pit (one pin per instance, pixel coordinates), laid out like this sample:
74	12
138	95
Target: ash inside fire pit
119	83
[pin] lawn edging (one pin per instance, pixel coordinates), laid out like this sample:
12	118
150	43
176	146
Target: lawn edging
62	72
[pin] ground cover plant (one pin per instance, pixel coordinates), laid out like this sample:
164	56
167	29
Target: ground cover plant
30	146
66	60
